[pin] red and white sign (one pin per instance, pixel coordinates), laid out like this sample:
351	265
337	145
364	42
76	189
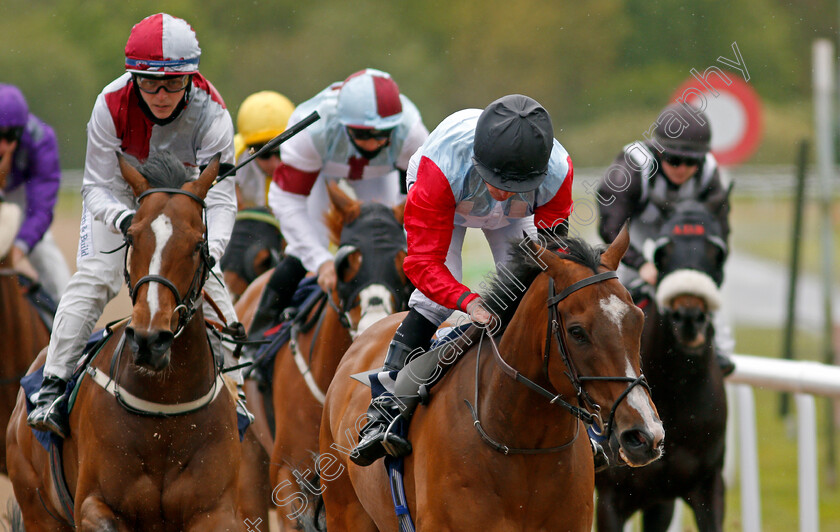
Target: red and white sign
734	111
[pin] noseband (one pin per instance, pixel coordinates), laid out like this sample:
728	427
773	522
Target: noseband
186	306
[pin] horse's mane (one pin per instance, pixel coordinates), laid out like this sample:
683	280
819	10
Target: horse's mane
164	170
506	290
335	223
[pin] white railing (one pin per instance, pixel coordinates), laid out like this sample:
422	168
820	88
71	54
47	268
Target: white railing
805	380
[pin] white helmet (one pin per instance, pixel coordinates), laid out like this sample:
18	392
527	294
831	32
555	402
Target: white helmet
162	45
369	99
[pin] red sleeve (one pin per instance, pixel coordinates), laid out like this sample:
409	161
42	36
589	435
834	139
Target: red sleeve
429	221
292	180
558	208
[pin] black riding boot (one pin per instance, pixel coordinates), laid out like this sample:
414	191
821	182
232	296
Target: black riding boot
378	438
48	414
277	295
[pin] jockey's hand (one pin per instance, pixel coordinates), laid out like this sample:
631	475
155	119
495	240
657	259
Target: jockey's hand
649	273
6	163
477	311
20	263
327	277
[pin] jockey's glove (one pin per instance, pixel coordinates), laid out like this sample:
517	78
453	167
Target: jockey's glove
125	224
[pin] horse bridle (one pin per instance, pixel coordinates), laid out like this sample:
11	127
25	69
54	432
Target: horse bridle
590	412
186	306
555	323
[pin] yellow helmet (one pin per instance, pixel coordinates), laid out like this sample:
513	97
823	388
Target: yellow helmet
261	117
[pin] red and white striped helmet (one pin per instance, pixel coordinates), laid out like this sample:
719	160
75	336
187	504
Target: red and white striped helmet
162	45
369	99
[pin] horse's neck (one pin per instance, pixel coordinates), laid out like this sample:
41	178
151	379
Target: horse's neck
526	418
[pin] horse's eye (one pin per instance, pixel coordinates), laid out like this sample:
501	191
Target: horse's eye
578	334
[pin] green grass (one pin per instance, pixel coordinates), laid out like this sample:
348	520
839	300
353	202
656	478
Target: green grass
764	226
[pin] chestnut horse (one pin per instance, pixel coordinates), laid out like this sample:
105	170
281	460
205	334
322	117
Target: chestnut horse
371	285
488	452
678	358
153	442
23	334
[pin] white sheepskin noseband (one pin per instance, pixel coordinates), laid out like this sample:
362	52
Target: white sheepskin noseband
688	282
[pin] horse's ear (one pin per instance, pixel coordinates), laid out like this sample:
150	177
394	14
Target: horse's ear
613	255
201	185
399	212
134	178
347	207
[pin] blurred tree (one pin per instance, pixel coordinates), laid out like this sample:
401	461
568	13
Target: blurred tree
586	62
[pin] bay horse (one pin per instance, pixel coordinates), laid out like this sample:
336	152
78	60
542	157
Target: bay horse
23	334
510	458
371	285
678	358
153	442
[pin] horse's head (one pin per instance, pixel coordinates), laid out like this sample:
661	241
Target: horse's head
167	260
369	261
594	352
689	254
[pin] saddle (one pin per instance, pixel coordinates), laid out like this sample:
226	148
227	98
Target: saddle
307	296
412	384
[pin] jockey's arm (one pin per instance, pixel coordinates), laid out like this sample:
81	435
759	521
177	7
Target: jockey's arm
221	198
552	217
618	201
41	191
429	221
287	197
102	182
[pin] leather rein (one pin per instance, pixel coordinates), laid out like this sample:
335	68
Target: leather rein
589	413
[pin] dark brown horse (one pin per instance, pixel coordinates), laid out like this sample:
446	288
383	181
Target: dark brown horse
678	358
153	442
254	248
371	285
23	334
522	461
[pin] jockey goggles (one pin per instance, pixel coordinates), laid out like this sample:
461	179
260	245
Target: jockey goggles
368	134
678	160
10	134
170	84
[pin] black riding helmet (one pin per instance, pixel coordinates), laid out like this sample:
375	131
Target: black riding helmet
513	142
683	131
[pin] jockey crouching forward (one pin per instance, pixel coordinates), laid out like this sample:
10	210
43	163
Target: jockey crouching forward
644	186
500	170
30	175
160	103
367	133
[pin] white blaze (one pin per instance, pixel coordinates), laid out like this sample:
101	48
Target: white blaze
615	309
162	229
